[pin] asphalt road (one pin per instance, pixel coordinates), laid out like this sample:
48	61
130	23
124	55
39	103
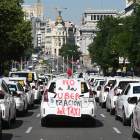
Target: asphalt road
29	128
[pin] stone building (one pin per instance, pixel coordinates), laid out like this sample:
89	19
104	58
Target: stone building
88	30
128	9
58	33
36	11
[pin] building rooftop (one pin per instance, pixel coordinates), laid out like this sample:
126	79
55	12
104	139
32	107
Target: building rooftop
90	10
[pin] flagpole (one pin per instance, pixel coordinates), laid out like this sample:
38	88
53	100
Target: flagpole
57	63
21	63
63	64
72	64
67	62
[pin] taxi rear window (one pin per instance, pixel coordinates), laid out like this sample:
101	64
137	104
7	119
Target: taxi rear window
122	84
52	87
84	88
12	87
29	76
136	90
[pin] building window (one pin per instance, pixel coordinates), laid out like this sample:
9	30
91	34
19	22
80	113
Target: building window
97	17
59	44
91	17
94	17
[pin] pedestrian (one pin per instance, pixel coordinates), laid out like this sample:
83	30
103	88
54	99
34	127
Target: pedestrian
81	75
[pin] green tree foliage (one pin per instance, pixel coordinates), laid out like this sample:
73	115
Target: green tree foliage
112	41
70	50
134	48
15	33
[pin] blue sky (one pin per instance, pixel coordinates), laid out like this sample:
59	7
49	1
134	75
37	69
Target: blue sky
75	8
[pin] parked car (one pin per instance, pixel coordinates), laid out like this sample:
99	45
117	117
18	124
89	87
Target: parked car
7	105
97	88
49	104
104	90
27	88
123	104
118	85
33	80
135	117
19	96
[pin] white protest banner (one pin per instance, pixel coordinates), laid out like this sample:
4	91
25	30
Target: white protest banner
68	101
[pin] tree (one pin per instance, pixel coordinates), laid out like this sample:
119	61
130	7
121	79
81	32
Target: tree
98	50
69	50
15	33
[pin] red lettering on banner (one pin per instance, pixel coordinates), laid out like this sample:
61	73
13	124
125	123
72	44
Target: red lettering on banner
72	96
77	96
69	82
61	96
66	96
79	111
75	109
66	81
72	82
71	112
68	108
61	112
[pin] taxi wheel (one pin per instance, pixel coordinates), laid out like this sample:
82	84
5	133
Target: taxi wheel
0	128
111	111
116	116
124	120
43	123
134	134
22	113
7	123
14	119
103	105
107	110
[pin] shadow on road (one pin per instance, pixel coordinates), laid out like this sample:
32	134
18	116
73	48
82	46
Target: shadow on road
30	113
17	124
35	107
78	124
6	136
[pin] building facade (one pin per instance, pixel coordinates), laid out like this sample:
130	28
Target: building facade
36	11
58	33
88	29
128	9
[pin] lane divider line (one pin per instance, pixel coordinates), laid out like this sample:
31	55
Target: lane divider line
117	131
103	115
38	115
29	130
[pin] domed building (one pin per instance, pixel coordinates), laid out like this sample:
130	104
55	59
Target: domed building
39	10
36	11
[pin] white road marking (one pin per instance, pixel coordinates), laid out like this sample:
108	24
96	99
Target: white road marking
38	115
103	115
116	130
29	130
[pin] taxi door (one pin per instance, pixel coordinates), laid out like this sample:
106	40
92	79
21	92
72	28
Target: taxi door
52	95
84	94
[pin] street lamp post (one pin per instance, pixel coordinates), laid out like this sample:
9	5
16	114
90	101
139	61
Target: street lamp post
121	24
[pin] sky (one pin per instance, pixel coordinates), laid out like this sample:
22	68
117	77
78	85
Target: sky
75	8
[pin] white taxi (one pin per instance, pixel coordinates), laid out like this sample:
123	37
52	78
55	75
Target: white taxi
19	96
123	104
7	105
104	90
118	85
68	98
135	117
27	88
